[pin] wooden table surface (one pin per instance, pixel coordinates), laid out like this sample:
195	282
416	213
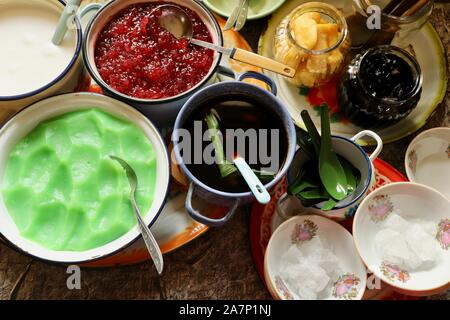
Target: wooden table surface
219	265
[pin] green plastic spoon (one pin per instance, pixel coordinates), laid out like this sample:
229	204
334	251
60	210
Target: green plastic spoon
312	130
330	168
352	178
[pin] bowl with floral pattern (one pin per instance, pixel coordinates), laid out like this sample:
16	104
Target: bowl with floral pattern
323	249
402	233
427	159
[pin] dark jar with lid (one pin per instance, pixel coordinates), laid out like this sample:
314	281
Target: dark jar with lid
380	87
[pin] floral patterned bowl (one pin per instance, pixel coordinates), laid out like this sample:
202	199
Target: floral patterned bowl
413	202
427	159
350	285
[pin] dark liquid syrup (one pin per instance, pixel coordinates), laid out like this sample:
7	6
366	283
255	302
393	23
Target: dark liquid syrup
238	113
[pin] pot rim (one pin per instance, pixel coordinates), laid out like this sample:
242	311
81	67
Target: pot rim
284	116
90	65
126	243
65	71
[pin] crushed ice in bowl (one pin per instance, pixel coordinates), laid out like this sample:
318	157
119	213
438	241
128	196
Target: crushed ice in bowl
408	244
310	269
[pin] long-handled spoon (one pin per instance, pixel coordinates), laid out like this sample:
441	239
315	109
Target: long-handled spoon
149	239
175	20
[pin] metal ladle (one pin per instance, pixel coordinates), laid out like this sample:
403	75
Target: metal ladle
175	20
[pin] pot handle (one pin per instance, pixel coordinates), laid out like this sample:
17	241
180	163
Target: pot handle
69	13
227	72
205	220
373	135
260	77
88	8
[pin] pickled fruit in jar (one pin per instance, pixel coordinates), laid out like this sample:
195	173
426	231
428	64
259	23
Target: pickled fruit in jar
314	40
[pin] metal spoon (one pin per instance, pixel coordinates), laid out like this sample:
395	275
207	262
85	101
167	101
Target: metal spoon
242	18
175	20
234	15
149	239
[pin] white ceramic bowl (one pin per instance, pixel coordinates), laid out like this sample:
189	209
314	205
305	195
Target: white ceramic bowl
353	268
411	201
26	120
427	159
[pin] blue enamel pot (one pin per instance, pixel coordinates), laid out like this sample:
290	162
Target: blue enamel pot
228	90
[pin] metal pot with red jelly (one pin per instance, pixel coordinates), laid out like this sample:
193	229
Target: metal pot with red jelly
380	87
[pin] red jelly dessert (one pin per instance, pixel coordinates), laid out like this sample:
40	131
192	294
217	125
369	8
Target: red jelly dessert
139	58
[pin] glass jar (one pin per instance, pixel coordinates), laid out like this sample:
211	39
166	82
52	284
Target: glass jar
397	28
380	87
314	40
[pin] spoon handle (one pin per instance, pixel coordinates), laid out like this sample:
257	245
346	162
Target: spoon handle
234	16
262	62
252	180
250	58
149	239
242	19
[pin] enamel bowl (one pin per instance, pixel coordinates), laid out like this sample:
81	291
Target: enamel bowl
289	205
161	111
427	159
26	120
349	286
412	202
67	81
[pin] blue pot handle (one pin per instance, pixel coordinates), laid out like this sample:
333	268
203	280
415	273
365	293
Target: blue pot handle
197	216
227	72
260	77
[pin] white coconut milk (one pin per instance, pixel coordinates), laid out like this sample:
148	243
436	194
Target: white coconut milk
28	59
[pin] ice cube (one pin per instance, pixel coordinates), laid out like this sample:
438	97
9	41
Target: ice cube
397	223
308	269
422	244
292	255
428	226
384	238
309	248
398	253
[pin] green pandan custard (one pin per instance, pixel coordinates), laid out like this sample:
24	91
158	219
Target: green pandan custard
62	189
